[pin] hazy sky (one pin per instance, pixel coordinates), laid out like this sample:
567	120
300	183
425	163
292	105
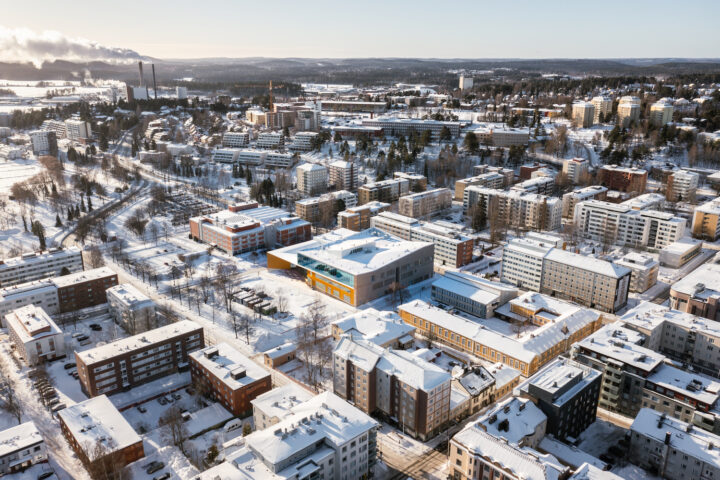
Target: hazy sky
389	28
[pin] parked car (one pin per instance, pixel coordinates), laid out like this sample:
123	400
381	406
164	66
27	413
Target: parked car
95	327
177	396
58	407
164	476
77	334
70	365
82	338
141	409
45	475
154	467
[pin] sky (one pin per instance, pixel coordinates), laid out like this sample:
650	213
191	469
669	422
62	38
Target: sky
390	28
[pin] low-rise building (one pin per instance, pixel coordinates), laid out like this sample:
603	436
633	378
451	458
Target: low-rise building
98	433
356	267
567	392
698	292
393	126
418	183
539	184
21	446
235	139
139	359
644	270
229	377
517	420
270	139
131	309
36	337
304	141
502	137
506	379
672	448
274	405
677	254
324	208
280	355
385	329
474	295
83	289
425	204
39	265
473	388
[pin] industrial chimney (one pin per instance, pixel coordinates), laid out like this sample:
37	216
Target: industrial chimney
154	84
142	81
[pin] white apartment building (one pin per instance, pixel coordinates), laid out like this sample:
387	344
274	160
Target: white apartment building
570	199
38	265
620	224
35	335
43	142
583	114
20	447
343	175
270	140
131	309
575	169
77	129
271	407
41	293
312	178
628	110
393	126
181	93
542	184
235	139
465	83
682	185
661	113
516	208
644	270
55	126
488	180
425	204
225	155
303	141
522	263
603	105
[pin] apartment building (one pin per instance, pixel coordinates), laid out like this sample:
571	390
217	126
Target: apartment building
661	113
516	209
235	139
38	265
517	420
270	139
646	201
77	129
567	393
477	454
395	127
40	293
522	263
323	438
603	106
620	224
230	377
644	270
487	180
706	220
451	248
576	169
418	183
44	142
386	191
681	252
312	178
507	173
97	422
502	137
471	294
571	199
557	325
83	289
324	207
353	106
583	114
393	383
139	359
628	111
304	141
541	184
131	309
682	186
425	204
356	267
21	447
672	448
623	179
35	336
698	292
343	175
274	405
358	218
245	227
55	126
385	328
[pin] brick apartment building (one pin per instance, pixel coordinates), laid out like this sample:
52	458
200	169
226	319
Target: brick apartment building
623	179
131	361
84	289
232	378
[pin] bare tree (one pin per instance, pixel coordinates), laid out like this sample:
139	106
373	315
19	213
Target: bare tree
154	232
281	301
9	401
104	462
94	256
173	428
224	282
315	318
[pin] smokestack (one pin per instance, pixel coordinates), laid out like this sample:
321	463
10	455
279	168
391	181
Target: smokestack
154	84
668	436
142	81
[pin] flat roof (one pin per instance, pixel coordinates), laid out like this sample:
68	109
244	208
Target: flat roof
703	282
19	437
80	277
584	262
522	417
95	420
279	402
40	256
28	321
137	342
375	326
622	344
692	385
128	294
229	366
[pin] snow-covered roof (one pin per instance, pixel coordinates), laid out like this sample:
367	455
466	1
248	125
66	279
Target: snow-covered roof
682	246
95	420
380	328
476	380
697	443
18	438
622	344
648	316
128	295
702	283
324	418
595	265
560	381
278	402
284	349
573	456
137	342
229	366
81	277
588	471
475	288
39	257
514	419
690	385
31	323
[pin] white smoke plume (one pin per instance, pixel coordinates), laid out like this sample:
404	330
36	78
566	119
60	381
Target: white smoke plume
24	45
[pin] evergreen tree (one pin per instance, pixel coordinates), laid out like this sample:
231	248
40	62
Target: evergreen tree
58	222
69	214
82	205
89	205
471	142
77	211
54	189
248	176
